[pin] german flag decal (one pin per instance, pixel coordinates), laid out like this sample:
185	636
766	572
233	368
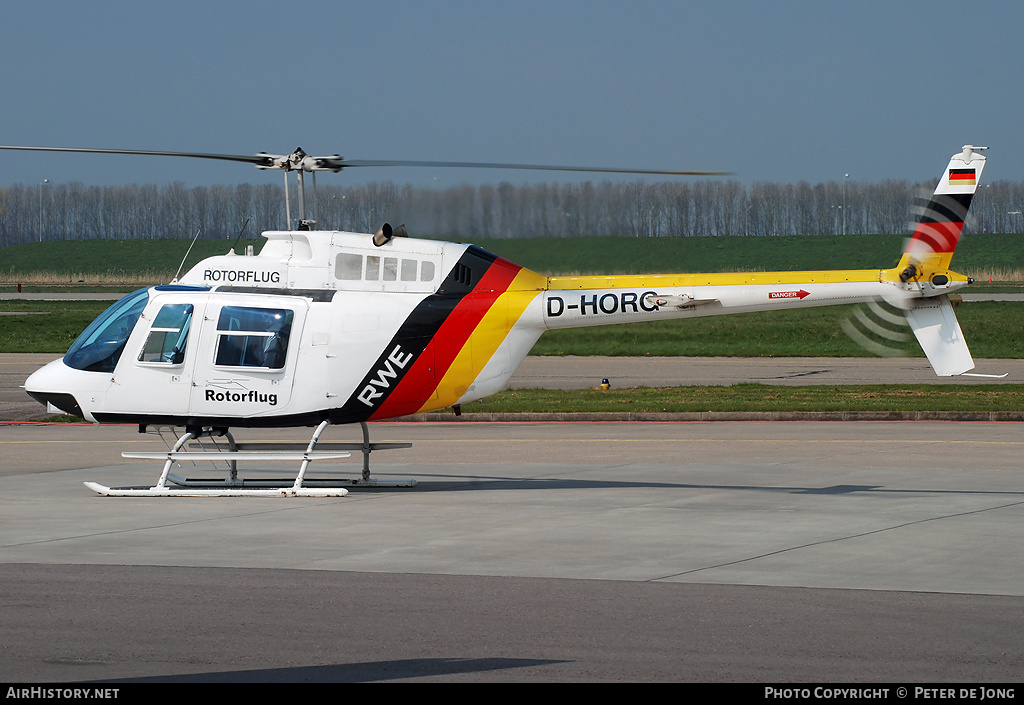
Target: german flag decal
962	177
430	341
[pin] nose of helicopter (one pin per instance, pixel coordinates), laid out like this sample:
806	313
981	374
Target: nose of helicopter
58	385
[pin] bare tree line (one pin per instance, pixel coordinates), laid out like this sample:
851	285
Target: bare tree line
30	213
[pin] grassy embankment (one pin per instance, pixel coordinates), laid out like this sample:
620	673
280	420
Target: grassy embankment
991	327
130	262
92	264
877	399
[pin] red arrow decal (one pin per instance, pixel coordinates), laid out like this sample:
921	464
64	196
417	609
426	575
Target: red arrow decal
788	294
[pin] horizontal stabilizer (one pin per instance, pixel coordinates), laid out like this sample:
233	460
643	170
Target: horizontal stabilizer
939	334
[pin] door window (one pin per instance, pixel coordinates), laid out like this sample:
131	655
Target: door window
168	336
253	337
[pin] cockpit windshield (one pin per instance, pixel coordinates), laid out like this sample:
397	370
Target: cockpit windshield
99	347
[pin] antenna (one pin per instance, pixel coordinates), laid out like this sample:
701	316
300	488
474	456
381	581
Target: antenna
186	255
244	226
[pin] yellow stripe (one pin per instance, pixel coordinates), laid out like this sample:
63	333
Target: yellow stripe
642	281
485	339
930	264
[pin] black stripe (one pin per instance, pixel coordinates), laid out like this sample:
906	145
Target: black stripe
415	334
943	208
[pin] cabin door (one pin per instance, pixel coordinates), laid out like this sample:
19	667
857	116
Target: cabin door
249	348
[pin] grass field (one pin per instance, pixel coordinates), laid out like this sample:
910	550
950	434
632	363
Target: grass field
991	328
97	262
760	398
979	256
155	261
51	327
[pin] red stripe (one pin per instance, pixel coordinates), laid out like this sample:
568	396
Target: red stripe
447	343
939	237
455	331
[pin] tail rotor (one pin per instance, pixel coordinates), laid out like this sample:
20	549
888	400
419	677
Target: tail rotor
880	328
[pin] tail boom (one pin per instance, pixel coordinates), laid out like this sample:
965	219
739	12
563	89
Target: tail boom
592	301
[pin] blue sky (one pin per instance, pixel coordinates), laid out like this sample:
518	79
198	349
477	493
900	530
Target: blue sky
773	91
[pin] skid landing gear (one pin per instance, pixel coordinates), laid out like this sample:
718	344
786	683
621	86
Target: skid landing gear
230	451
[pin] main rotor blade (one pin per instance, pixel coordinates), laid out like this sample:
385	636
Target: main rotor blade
263	160
346	163
300	160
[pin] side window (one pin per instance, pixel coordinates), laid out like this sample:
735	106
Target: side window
409	270
372	268
427	272
168	336
390	269
348	267
253	337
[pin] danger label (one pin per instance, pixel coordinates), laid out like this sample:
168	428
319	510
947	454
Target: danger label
788	294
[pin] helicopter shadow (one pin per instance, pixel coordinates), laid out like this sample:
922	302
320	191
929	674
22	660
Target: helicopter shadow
355	672
436	482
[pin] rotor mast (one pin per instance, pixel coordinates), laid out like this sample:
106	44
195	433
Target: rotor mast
299	162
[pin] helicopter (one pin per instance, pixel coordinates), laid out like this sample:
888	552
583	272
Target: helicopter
330	327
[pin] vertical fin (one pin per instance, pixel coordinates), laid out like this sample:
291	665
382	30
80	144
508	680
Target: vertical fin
940	220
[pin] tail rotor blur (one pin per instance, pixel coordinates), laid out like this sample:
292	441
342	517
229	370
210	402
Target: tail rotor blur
880	328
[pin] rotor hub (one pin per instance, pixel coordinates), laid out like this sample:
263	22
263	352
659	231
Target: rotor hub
300	161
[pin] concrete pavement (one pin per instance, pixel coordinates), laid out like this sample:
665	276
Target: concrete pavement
752	552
